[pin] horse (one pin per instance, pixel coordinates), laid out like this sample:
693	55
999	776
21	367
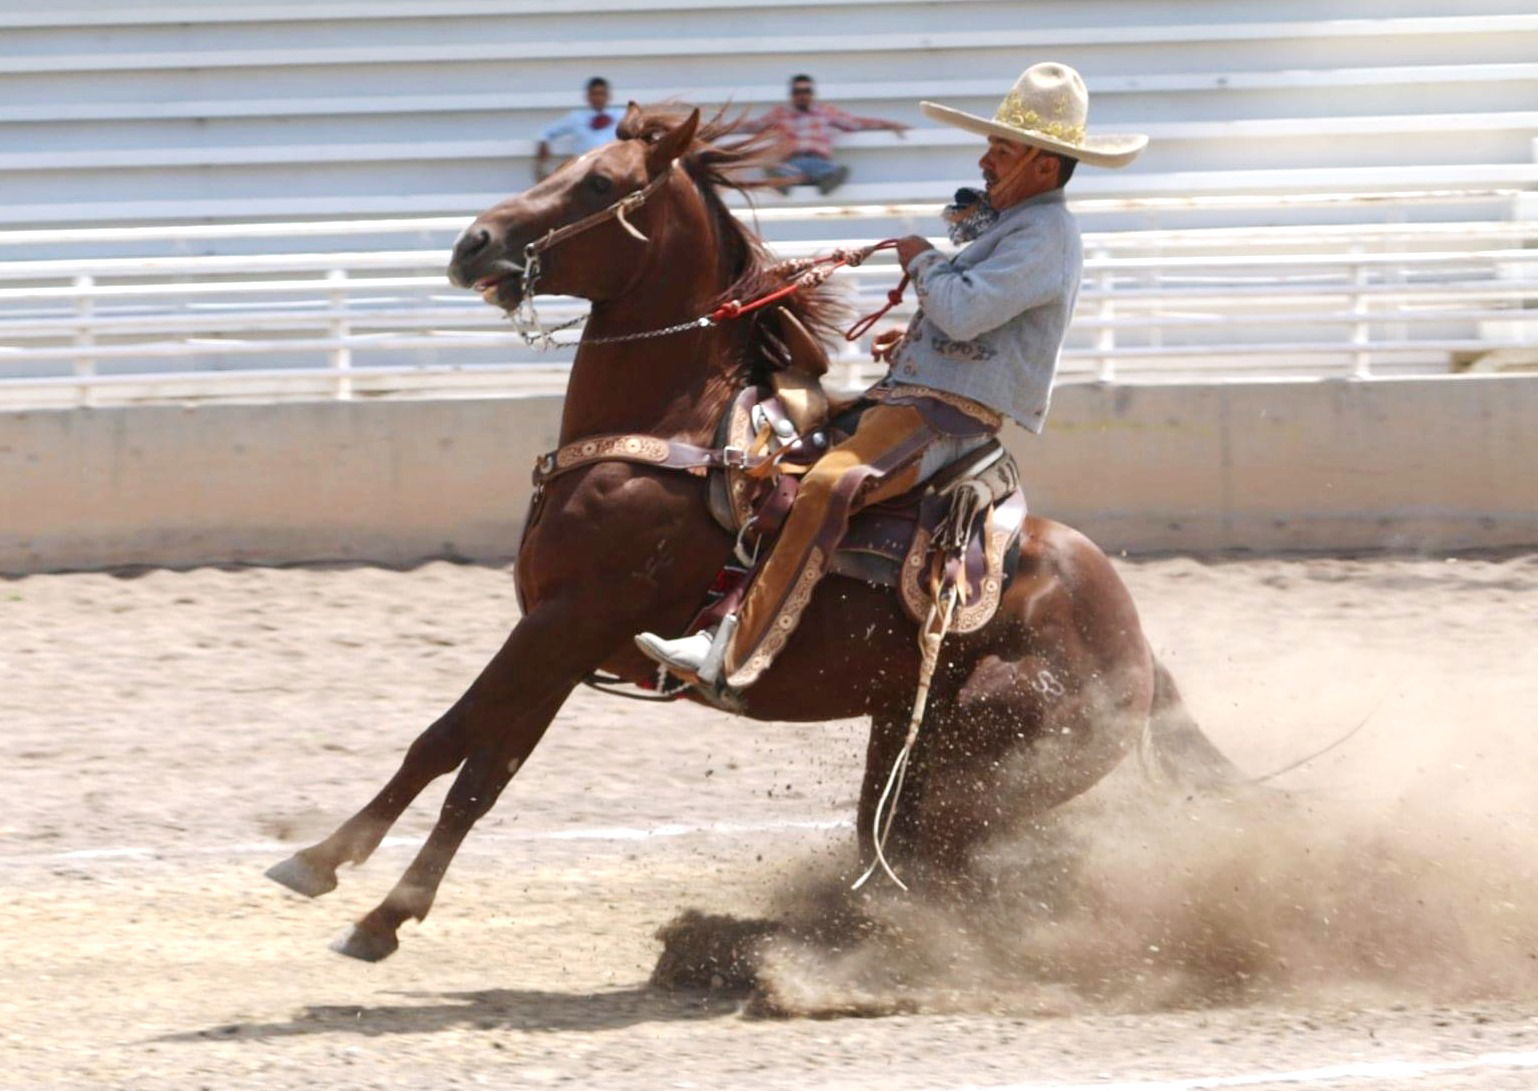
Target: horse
1024	714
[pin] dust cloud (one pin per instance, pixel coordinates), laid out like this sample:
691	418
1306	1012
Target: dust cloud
1401	868
1123	901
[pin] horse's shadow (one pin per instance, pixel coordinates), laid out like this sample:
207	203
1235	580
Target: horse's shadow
488	1009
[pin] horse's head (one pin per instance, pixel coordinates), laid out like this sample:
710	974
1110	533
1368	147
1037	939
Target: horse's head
587	225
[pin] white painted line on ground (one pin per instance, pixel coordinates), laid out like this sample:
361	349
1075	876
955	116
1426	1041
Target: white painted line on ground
1314	1077
580	833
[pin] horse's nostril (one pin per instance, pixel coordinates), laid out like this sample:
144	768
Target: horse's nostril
473	241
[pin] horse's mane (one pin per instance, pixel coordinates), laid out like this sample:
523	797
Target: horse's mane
716	163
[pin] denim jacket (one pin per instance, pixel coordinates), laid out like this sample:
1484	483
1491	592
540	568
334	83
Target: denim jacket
991	319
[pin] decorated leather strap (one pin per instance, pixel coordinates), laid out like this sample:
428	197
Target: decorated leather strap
666	454
902	391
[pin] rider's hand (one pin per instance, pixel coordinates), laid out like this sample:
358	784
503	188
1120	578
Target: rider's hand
883	345
909	247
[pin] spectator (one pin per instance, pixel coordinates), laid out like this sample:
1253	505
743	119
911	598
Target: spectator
584	129
806	127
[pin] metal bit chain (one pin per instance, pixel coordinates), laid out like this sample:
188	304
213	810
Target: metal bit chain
535	334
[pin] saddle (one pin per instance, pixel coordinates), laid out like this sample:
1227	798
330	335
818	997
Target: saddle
961	526
973	509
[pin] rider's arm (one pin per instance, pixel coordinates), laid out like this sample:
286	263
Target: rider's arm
1026	269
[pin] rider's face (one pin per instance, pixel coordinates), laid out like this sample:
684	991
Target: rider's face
1013	172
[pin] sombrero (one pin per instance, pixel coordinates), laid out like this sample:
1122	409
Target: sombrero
1048	107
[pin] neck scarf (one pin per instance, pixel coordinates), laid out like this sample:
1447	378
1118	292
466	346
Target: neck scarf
968	216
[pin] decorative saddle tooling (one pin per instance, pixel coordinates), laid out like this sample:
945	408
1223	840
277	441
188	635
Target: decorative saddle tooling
976	500
961	526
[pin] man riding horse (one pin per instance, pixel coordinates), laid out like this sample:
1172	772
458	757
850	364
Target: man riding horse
983	345
1054	682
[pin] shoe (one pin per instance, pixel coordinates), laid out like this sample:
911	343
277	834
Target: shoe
684	656
830	182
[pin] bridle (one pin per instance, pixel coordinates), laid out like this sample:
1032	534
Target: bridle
800	274
525	317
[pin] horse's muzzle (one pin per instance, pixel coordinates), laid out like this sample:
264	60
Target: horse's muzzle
505	292
474	257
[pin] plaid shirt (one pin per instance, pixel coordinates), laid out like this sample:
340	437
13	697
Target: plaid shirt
810	131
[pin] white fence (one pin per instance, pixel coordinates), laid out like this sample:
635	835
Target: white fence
1355	299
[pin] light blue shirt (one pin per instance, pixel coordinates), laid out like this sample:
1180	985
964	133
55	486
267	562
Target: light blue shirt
991	319
577	127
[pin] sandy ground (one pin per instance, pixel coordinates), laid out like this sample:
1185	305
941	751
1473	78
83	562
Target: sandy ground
169	735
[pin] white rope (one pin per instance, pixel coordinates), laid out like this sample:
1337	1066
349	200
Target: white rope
931	635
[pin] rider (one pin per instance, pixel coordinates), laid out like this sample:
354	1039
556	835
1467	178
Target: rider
983	345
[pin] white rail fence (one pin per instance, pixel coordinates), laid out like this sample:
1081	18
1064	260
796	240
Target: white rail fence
1349	300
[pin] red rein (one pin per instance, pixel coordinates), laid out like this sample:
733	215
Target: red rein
809	273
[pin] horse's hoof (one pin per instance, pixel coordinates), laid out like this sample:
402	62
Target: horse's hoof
367	946
302	877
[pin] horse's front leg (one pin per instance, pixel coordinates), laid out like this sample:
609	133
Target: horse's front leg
438	750
492	729
487	770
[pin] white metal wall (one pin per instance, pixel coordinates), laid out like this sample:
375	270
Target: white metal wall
111	112
1391	151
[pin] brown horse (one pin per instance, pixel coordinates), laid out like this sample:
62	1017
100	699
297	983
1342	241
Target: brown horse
1025	713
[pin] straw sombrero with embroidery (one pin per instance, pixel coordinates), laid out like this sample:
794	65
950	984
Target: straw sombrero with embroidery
1048	107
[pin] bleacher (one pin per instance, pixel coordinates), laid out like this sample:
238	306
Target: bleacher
270	189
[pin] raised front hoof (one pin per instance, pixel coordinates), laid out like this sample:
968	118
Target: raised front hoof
302	877
365	946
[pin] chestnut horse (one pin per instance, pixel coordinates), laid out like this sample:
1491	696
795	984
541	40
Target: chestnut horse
1024	714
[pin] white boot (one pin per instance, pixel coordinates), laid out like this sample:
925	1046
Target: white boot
696	658
684	656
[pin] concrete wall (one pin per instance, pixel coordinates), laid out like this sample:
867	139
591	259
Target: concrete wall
1427	463
1442	463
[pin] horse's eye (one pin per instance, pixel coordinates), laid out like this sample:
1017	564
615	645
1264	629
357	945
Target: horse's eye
600	183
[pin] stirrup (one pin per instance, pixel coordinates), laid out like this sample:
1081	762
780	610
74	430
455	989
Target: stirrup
710	670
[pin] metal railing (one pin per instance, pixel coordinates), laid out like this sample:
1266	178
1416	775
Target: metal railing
1357	300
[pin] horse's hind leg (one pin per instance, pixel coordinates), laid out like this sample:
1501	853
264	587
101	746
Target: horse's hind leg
438	750
1020	737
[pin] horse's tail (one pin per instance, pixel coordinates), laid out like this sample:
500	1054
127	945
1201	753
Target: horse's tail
1175	745
1175	748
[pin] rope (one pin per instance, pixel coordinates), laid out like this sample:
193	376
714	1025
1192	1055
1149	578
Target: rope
941	613
863	326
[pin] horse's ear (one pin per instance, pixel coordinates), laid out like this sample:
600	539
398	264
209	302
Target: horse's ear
629	126
672	143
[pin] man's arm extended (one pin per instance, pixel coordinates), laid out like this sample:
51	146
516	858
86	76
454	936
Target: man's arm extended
844	121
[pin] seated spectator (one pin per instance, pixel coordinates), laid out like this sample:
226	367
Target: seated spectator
583	129
806	128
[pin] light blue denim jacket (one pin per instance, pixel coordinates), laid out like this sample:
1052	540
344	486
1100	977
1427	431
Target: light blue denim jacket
991	319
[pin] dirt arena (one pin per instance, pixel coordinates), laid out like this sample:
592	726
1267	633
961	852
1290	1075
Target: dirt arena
168	735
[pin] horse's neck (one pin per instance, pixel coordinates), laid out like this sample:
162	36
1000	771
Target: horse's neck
676	385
